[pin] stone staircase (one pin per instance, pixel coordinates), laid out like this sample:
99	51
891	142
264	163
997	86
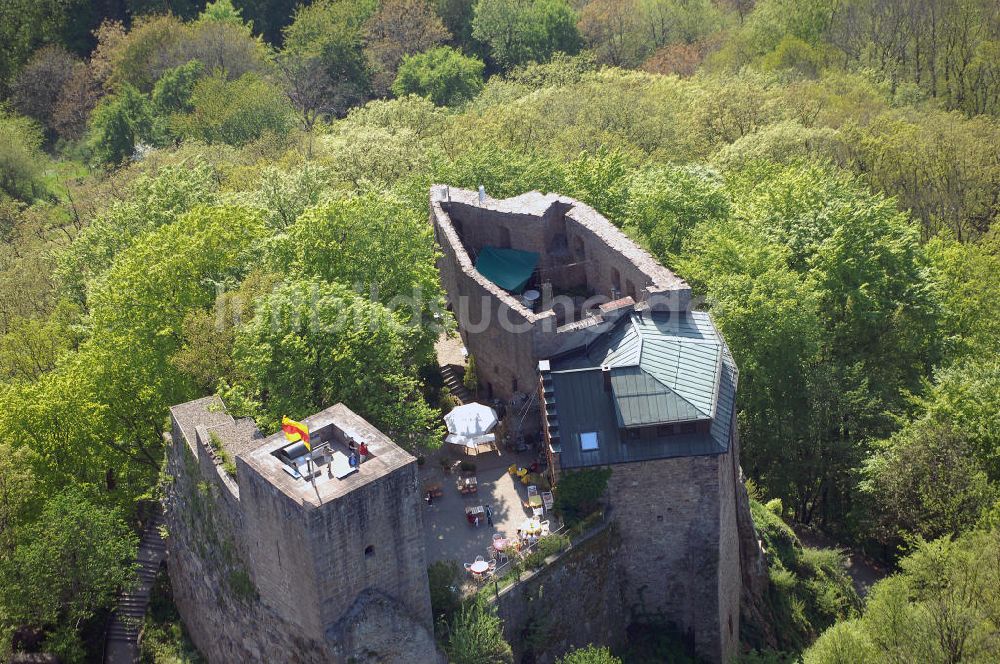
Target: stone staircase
122	643
453	381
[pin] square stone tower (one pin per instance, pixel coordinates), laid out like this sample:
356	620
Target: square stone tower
296	556
317	542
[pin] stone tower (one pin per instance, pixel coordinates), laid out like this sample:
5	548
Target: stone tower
295	557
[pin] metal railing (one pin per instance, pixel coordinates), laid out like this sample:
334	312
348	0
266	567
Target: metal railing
508	568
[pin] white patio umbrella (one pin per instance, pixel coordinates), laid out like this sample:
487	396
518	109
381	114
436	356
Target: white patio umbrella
469	426
472	419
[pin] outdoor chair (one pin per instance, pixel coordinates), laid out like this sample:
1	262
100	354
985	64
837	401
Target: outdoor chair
497	536
538	511
480	559
545	528
468	567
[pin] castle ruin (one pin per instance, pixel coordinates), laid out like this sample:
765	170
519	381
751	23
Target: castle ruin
554	301
278	553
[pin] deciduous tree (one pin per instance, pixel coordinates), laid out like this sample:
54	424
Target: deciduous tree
399	28
443	75
36	90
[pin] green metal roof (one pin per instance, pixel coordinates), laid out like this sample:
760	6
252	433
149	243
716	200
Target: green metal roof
510	269
676	360
662	368
641	400
583	407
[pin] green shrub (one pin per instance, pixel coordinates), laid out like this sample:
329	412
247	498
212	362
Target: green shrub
443	579
119	123
241	585
442	74
469	380
477	637
809	588
578	494
553	544
547	546
589	655
538	480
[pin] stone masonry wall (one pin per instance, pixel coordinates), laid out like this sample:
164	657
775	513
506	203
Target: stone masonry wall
730	578
668	514
210	579
576	246
575	601
244	575
501	357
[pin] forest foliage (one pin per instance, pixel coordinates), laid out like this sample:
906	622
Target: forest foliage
213	199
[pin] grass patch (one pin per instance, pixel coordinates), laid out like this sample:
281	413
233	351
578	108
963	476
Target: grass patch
226	461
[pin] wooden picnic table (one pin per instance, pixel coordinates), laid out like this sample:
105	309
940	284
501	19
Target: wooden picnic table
467	485
473	511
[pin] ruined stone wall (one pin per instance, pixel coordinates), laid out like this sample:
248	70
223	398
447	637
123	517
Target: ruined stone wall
614	261
504	352
484	227
572	602
577	247
668	514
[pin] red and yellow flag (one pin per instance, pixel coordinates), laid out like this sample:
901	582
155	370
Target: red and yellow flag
295	431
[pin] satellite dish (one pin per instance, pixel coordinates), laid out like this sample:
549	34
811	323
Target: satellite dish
482	194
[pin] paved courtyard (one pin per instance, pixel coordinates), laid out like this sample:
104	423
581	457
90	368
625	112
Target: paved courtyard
448	535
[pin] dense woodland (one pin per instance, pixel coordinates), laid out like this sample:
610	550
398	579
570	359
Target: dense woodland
184	187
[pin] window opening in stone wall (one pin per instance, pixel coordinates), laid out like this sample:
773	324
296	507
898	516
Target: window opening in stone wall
588	441
369	551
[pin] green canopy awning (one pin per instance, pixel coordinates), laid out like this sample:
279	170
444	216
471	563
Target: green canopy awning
509	269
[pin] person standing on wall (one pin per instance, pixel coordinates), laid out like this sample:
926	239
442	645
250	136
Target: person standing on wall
363	451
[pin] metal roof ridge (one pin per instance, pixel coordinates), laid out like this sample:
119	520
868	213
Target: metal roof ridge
717	383
679	395
638	336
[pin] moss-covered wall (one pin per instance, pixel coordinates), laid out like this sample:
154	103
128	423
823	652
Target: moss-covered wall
572	602
212	585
